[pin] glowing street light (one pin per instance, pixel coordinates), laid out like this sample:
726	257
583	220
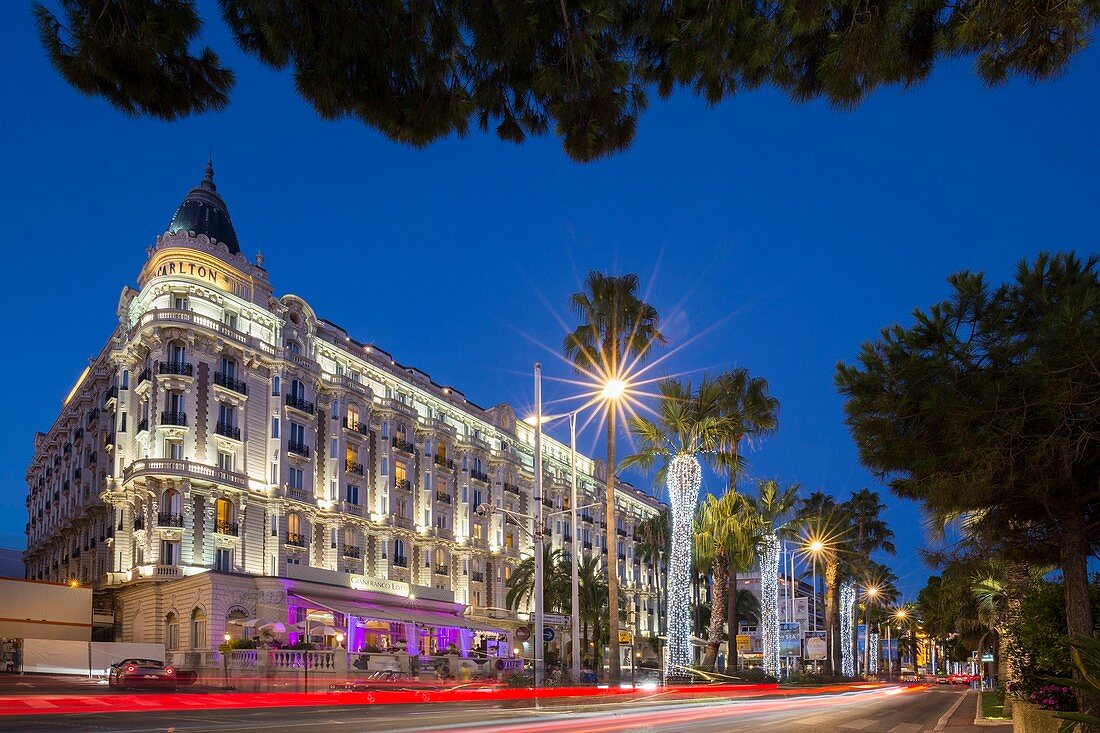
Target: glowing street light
613	389
816	547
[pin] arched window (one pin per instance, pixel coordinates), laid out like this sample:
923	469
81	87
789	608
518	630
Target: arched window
297	389
172	631
353	416
441	450
225	516
398	550
294	528
349	538
400	433
440	556
198	629
294	347
170	502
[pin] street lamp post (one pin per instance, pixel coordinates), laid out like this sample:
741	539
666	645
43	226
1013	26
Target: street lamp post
540	644
574	590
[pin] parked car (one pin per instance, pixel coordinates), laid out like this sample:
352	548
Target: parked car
141	673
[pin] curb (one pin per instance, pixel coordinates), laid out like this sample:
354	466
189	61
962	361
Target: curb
942	722
981	720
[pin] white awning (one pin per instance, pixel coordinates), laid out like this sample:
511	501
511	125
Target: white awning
400	615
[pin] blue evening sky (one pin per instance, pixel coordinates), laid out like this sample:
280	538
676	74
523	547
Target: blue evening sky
799	229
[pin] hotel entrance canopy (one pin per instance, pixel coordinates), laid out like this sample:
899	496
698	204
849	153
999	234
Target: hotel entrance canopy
394	614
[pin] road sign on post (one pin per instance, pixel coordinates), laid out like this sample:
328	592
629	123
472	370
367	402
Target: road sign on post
556	619
522	633
548	634
624	637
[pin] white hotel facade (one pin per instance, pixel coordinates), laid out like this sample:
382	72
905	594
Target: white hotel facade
231	459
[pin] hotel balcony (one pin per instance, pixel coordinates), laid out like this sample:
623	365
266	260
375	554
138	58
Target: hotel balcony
173	418
231	383
169	519
352	551
143	425
145	376
295	539
442	569
511	488
226	528
176	368
400	562
228	430
186	469
353	467
139	523
403	485
479	476
403	445
442	496
300	449
358	427
477	576
299	403
443	462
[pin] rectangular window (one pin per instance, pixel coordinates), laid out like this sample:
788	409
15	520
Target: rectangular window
332	493
297	433
274	473
168	553
296	478
333	447
274	427
353	494
179	302
226	461
385	466
223	559
174	449
229	318
275	386
477	498
122	423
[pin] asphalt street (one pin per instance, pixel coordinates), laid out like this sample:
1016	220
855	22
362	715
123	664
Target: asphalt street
890	711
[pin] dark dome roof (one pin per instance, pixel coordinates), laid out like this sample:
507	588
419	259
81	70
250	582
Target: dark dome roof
204	212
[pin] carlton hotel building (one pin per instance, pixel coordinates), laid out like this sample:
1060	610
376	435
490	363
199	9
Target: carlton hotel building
231	460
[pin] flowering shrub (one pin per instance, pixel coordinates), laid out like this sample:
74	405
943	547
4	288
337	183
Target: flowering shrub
1052	697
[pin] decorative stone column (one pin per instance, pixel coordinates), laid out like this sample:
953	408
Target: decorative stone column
187	507
208	530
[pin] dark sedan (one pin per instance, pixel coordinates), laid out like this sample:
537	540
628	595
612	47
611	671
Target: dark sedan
141	673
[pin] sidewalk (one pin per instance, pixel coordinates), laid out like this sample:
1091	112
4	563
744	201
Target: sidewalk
961	720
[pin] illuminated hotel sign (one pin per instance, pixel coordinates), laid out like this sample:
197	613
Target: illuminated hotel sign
184	262
194	269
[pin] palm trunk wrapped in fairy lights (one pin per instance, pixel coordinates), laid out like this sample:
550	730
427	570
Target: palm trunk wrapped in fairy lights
768	550
847	607
683	481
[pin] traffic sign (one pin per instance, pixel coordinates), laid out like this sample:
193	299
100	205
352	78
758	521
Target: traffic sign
556	619
523	633
624	637
548	634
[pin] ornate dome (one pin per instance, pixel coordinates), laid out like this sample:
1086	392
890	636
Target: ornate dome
204	212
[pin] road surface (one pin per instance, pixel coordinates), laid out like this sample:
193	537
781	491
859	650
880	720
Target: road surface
893	710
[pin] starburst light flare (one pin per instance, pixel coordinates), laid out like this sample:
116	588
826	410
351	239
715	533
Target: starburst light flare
768	550
847	606
685	476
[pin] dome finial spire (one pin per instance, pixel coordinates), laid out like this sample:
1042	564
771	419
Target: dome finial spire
208	179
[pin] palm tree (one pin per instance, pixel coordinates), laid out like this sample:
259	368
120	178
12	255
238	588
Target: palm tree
821	516
687	426
867	533
653	535
751	414
592	596
719	533
771	515
556	582
616	328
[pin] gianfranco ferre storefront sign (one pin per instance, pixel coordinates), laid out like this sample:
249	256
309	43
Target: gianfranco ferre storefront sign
379	585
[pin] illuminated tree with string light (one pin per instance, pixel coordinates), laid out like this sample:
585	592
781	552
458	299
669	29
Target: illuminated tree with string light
772	513
688	425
